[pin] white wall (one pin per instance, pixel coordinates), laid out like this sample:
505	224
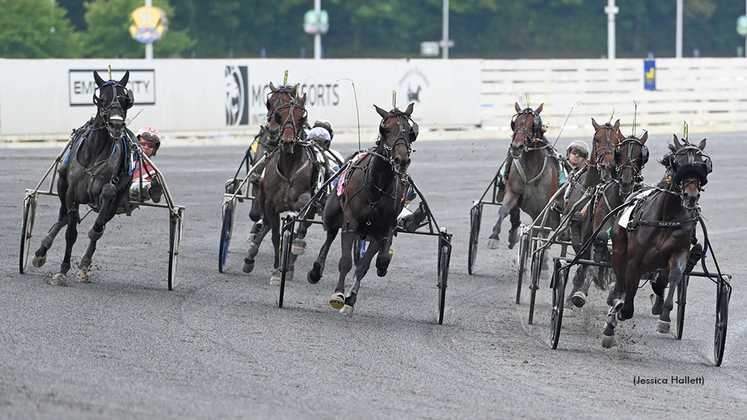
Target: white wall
44	99
39	99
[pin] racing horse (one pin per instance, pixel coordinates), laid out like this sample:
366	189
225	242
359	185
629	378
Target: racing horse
96	172
599	170
267	141
656	233
287	185
370	194
532	174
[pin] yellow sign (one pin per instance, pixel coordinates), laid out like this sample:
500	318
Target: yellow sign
148	24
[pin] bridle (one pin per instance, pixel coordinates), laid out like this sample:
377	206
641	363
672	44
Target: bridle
692	172
529	137
121	102
630	161
290	121
607	149
404	136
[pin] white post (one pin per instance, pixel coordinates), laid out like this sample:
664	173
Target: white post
678	32
149	46
611	11
445	30
317	35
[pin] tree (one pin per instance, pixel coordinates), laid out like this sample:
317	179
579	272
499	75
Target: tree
108	32
36	29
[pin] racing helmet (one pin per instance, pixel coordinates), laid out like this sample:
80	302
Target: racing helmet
580	146
319	135
150	134
327	126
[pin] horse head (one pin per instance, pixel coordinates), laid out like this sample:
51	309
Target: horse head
278	97
603	144
113	100
526	126
397	131
288	122
690	167
631	156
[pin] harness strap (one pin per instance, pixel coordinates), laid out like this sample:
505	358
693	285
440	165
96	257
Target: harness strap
523	174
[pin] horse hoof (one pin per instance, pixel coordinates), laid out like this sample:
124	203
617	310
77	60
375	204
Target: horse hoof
608	341
95	236
299	247
493	243
578	299
248	267
663	327
347	310
657	304
39	261
275	278
83	277
381	272
337	301
58	279
314	275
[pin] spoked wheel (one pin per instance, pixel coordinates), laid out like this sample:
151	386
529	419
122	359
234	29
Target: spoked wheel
175	234
722	317
225	234
285	249
475	216
681	300
523	251
444	257
536	271
29	213
560	276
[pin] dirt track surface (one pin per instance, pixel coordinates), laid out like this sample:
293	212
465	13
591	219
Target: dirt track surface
218	346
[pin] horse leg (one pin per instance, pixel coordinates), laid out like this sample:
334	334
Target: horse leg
315	274
71	235
254	246
658	286
337	300
299	243
360	271
608	335
632	276
256	228
40	256
274	222
581	283
109	205
513	234
676	268
384	258
508	205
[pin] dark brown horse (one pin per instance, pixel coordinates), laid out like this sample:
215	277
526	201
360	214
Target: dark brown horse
95	172
267	141
288	183
631	156
370	196
658	234
532	175
600	168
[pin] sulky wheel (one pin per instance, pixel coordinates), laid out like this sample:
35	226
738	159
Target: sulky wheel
722	317
536	271
225	234
443	278
681	301
285	249
29	213
475	214
523	251
175	235
560	277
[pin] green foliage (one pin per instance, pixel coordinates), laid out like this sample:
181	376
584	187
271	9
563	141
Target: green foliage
364	28
108	32
36	29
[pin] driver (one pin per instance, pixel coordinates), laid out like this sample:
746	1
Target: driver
150	142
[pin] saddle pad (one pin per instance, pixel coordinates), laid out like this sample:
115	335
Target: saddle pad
632	201
343	177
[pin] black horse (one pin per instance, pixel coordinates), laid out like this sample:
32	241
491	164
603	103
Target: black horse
658	234
288	183
96	172
371	193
